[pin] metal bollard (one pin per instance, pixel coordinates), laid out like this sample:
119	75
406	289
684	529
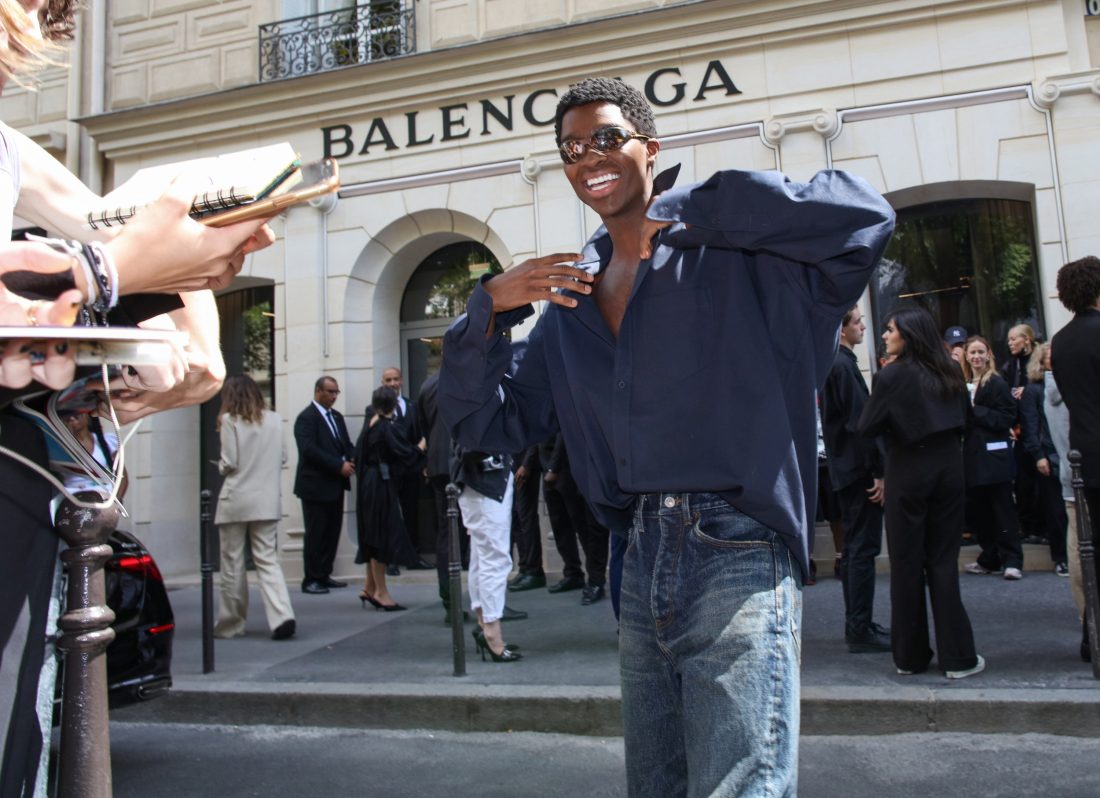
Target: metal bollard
454	579
206	569
84	761
1086	545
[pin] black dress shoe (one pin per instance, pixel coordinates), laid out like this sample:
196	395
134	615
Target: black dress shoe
392	570
420	565
867	641
314	588
512	615
591	594
330	582
527	582
284	630
566	584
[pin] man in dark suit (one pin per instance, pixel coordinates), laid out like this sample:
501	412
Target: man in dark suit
408	482
325	468
855	473
1075	361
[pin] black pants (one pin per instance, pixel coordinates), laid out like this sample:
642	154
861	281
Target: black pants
924	517
571	522
26	582
443	537
862	522
408	494
526	535
1052	508
323	522
995	520
1030	521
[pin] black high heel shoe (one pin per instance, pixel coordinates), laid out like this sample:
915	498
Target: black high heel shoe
507	655
480	635
364	597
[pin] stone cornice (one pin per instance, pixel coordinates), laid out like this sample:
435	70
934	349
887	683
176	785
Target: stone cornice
699	31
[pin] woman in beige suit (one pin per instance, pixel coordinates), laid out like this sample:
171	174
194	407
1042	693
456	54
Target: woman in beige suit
249	505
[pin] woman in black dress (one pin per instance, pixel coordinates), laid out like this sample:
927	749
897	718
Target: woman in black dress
919	403
382	537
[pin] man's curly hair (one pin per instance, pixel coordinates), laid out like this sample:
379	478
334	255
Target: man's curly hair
1079	284
634	106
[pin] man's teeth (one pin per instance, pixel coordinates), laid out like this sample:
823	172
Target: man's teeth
595	182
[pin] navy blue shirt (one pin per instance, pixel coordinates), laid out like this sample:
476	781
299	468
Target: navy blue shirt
711	386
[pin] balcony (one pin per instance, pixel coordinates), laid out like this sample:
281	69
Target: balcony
321	42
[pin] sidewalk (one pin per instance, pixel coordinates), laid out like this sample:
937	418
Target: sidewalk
356	668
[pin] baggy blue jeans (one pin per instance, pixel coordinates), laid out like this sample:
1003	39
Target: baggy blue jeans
710	652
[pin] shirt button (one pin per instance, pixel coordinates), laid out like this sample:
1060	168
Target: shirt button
670	501
621	384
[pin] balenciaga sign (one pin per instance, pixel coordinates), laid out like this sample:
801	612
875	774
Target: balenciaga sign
493	116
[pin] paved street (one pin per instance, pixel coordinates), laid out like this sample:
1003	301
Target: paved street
185	761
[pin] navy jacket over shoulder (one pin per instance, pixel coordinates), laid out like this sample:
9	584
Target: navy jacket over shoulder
711	386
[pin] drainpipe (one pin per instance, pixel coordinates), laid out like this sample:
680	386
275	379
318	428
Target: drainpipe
529	170
325	204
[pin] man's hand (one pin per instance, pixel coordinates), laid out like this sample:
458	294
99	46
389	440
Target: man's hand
1017	393
535	280
876	494
549	477
1043	466
347	469
521	476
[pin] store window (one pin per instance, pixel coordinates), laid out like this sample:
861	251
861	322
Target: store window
968	261
435	296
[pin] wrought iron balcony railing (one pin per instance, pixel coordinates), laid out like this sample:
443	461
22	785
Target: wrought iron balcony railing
345	37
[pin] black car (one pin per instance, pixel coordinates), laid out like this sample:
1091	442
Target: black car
139	659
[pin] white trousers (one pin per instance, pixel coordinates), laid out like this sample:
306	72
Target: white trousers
489	524
233	607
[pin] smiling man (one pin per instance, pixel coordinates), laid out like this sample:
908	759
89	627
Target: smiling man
681	366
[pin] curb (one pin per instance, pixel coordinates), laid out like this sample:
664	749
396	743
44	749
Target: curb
596	711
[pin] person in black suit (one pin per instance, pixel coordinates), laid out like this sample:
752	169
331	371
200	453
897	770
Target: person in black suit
919	403
325	467
573	522
408	482
855	472
988	457
438	469
1075	361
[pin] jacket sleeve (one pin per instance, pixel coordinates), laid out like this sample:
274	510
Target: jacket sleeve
1031	421
837	224
994	407
876	419
309	451
494	394
227	460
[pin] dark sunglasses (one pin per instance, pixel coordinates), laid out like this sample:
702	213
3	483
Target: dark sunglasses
602	141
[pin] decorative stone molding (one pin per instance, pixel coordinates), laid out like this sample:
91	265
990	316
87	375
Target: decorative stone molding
531	168
1049	91
822	122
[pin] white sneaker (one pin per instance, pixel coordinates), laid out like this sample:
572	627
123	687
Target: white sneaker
974	568
1013	573
978	668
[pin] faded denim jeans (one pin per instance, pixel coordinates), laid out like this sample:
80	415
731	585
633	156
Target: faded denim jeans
710	652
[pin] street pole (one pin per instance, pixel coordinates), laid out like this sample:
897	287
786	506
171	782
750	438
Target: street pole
1086	545
84	761
206	569
454	579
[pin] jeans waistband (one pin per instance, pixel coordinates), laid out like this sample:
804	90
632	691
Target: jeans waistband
654	503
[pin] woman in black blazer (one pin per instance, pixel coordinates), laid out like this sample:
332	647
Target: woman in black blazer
989	464
919	404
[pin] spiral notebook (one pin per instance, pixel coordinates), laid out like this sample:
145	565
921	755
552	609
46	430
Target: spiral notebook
234	179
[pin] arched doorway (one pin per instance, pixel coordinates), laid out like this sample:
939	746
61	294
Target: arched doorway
435	296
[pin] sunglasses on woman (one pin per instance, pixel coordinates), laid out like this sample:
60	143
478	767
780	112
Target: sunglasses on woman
602	141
